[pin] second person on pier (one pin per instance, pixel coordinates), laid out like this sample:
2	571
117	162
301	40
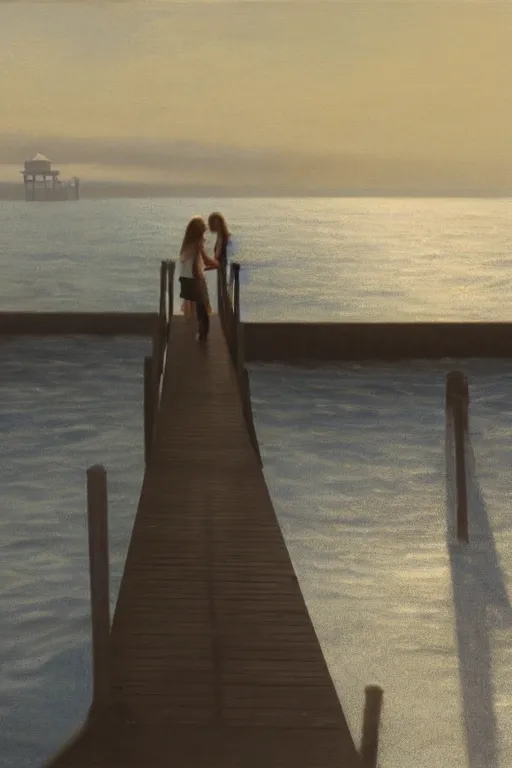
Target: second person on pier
217	224
193	285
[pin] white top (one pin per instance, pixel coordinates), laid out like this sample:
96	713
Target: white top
187	264
186	267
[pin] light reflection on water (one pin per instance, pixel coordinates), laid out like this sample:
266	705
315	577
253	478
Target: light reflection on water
309	259
362	506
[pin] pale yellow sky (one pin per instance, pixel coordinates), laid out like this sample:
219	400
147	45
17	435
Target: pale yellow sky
368	93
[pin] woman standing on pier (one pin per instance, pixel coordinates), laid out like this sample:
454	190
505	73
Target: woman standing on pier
217	224
192	280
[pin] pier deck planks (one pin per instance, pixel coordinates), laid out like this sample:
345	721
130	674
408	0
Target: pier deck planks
215	659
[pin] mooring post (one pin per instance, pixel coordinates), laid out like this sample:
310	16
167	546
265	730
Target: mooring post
464	404
371	724
97	520
457	400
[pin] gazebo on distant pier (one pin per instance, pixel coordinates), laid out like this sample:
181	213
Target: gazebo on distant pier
42	183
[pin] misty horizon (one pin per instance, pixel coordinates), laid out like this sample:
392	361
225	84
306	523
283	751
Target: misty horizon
392	98
130	164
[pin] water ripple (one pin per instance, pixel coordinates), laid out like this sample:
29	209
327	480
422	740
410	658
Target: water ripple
67	404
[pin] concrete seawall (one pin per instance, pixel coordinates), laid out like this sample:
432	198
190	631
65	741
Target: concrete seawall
321	342
78	323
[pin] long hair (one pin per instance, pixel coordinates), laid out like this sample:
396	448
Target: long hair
217	223
193	235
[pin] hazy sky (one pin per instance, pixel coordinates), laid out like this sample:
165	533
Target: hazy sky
350	94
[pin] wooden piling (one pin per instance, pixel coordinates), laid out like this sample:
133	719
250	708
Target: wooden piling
97	520
457	403
371	723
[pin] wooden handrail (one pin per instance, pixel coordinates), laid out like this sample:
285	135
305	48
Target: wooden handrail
227	309
228	302
162	327
153	388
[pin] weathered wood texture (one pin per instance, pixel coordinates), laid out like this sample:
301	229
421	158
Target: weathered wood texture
321	342
78	323
215	659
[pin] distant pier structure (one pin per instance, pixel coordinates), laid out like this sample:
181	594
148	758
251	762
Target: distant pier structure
43	184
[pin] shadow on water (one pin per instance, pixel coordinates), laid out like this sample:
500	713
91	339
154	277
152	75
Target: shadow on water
481	605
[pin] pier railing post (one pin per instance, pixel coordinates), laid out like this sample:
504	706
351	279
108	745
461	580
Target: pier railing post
163	287
457	403
154	363
171	268
221	287
236	290
162	314
238	337
229	312
371	724
97	519
148	407
238	357
161	332
225	302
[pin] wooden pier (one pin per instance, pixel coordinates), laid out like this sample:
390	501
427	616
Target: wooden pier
214	661
42	183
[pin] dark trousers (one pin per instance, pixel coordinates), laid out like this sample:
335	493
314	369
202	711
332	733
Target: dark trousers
203	320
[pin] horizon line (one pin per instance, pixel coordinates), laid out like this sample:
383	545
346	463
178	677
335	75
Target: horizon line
14	191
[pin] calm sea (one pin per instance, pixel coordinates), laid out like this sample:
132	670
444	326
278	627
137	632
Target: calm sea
312	259
353	455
